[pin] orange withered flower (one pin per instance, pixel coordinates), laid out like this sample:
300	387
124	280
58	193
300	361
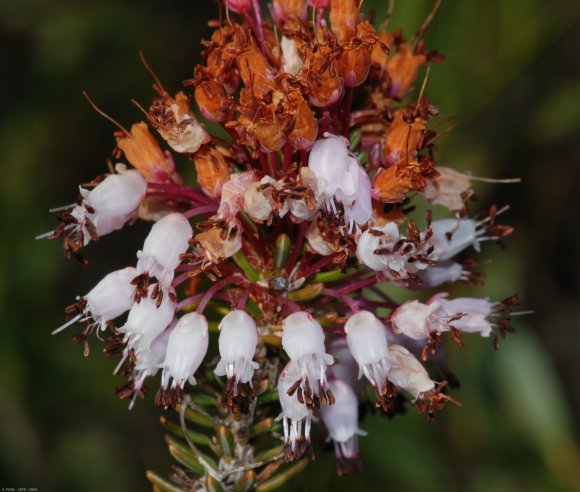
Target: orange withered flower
304	124
344	18
322	76
144	152
403	69
212	169
404	137
210	96
355	59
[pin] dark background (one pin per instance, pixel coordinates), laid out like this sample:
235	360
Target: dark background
511	78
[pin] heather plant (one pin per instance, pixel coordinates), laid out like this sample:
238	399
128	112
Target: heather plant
256	307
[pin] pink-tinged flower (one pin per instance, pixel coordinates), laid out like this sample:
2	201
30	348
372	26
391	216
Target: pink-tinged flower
107	300
232	197
186	349
296	417
237	345
341	420
341	178
303	341
367	341
147	320
383	249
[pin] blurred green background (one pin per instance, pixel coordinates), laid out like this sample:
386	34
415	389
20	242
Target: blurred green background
510	76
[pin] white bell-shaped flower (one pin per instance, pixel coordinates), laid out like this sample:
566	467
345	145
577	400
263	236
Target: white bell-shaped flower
105	208
317	242
451	236
477	314
186	349
383	249
149	362
341	420
237	345
407	373
167	241
342	178
436	275
419	321
303	341
367	340
303	209
376	238
147	320
232	197
345	367
107	300
296	417
118	194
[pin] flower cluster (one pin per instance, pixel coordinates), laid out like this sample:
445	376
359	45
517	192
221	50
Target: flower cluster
261	283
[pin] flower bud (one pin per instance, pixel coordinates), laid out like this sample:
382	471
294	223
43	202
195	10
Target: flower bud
237	345
186	349
167	241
